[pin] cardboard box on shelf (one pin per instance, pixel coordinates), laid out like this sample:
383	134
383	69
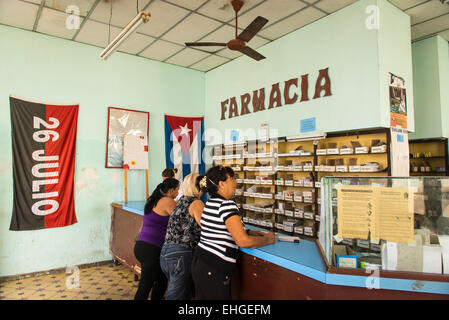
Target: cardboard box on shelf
299	230
346	150
298	183
307	182
332	148
298	213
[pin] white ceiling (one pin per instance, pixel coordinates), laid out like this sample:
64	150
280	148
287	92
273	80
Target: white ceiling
174	22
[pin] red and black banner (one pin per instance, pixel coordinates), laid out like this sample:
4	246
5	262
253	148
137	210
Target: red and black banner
43	147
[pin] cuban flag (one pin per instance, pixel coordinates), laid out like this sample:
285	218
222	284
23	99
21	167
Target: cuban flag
184	145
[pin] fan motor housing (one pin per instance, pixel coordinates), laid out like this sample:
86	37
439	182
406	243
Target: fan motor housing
236	44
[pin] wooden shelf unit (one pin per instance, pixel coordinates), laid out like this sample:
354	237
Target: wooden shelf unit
301	211
426	155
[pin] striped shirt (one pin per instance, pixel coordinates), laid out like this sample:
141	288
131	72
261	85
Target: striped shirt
215	237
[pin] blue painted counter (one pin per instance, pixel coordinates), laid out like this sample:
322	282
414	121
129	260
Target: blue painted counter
305	258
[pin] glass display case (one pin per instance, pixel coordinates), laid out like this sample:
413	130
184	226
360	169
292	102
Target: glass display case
398	224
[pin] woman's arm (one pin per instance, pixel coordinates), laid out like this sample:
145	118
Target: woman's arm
242	239
255	232
166	206
196	210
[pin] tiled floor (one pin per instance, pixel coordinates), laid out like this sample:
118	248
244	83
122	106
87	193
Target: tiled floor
105	282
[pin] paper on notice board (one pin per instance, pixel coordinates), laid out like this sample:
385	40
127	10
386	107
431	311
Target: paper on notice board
355	212
382	213
394	210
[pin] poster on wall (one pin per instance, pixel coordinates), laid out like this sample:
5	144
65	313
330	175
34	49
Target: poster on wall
398	102
43	150
135	152
120	123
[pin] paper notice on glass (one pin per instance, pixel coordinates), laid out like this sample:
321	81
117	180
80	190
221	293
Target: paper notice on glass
356	214
394	210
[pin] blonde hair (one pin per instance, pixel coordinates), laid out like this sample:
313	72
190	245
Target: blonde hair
189	187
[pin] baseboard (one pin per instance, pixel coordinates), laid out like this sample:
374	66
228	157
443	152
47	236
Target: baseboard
53	271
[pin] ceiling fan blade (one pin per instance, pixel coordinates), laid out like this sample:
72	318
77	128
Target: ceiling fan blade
205	44
252	29
252	53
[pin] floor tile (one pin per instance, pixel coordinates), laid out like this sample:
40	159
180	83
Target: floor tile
106	282
19	295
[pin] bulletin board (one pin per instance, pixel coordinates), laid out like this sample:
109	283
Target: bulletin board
123	122
135	152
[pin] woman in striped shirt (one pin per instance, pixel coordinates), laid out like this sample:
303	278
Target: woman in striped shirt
222	233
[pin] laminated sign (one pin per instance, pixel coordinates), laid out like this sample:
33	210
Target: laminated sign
43	148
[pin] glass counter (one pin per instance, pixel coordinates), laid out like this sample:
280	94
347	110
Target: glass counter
386	223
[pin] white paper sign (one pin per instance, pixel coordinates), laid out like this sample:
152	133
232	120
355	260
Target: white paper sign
135	152
399	153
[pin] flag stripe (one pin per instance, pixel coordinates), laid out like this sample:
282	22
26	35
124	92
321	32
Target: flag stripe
65	148
22	142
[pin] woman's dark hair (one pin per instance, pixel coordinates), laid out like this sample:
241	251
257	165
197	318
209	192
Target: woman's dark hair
159	192
197	182
169	173
213	176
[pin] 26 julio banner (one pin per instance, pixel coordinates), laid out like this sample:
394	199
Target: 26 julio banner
43	147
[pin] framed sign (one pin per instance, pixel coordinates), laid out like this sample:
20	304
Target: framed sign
123	122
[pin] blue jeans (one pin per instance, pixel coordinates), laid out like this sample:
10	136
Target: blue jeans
176	261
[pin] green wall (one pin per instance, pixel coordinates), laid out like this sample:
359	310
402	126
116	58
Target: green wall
395	56
431	84
52	70
358	58
443	57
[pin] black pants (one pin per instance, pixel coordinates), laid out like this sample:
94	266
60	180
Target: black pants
151	278
211	282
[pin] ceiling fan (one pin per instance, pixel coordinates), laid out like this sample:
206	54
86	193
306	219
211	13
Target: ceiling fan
239	43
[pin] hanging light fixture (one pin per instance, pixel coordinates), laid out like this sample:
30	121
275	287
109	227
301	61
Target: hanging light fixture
141	17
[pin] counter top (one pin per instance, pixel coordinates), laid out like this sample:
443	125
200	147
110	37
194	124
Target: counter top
305	258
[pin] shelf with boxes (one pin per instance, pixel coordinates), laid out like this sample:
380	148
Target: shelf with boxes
429	156
296	185
280	179
231	155
259	187
364	152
